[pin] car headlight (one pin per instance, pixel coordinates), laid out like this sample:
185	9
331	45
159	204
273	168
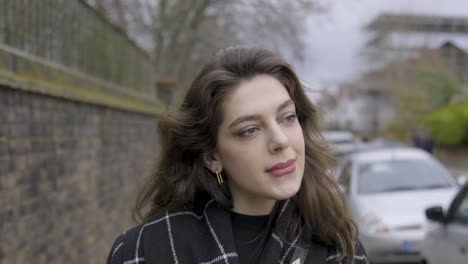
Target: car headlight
372	223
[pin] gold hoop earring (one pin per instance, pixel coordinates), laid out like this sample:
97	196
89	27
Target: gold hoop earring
220	177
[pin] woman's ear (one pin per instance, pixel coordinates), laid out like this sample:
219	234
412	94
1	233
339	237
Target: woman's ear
212	162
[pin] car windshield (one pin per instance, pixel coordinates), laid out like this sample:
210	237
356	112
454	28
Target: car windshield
400	175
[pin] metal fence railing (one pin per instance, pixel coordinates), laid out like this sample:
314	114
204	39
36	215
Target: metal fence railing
71	35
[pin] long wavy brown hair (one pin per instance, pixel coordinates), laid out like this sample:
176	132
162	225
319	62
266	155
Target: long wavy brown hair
191	132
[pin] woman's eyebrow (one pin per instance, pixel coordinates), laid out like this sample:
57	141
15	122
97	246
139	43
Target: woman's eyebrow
285	104
243	119
256	117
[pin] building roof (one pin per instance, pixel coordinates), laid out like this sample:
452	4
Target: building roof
430	40
413	32
421	23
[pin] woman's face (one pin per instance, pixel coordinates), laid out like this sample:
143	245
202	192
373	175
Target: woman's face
260	145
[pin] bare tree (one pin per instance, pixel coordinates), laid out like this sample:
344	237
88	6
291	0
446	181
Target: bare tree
182	34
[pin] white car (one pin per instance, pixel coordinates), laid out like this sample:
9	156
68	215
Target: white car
341	142
387	192
447	236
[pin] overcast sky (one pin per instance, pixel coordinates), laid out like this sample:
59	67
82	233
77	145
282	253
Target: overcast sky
334	39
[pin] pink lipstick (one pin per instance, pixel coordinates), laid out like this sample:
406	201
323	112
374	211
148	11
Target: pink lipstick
282	168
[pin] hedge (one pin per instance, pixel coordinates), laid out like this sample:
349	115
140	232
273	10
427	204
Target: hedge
449	125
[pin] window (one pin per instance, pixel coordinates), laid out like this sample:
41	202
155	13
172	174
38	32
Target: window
461	213
401	175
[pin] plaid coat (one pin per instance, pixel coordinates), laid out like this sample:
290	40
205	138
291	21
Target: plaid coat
205	237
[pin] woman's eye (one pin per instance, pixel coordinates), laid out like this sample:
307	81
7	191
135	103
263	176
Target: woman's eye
248	132
291	118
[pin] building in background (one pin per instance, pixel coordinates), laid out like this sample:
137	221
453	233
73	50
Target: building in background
399	36
397	42
358	106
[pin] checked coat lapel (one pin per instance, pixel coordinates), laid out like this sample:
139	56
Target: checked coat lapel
276	250
279	251
219	223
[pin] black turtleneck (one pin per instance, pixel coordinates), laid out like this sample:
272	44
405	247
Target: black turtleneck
248	233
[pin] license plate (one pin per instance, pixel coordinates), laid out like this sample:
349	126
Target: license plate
410	246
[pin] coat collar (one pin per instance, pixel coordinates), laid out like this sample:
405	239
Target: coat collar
276	249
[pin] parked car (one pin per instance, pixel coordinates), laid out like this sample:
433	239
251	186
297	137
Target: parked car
384	142
447	236
342	142
387	191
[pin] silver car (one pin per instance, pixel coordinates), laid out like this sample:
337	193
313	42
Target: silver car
342	142
447	236
387	192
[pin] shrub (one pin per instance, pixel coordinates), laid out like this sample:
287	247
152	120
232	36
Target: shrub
449	125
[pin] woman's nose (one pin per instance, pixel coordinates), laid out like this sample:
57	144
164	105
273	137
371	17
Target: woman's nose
278	139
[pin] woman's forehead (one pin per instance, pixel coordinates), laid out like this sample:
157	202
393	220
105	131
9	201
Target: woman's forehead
262	94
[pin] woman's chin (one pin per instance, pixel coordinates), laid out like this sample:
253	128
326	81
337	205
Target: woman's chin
286	192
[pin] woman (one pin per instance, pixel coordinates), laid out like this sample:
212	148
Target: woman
242	176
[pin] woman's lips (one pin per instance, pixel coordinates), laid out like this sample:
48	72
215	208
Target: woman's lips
284	168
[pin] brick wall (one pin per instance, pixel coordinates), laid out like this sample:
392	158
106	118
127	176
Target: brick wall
68	173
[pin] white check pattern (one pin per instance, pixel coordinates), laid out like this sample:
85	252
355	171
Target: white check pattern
222	257
340	259
137	260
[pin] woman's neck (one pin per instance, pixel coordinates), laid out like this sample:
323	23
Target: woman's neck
248	206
